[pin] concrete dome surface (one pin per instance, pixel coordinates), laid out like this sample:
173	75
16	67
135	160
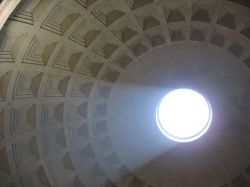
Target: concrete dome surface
80	81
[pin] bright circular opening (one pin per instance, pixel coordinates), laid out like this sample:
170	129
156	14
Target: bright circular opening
183	115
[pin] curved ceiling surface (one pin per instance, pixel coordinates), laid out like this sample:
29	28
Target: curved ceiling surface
80	81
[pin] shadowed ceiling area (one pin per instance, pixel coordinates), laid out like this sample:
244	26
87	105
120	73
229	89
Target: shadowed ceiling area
80	81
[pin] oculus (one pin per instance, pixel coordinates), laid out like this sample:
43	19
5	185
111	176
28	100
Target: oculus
183	115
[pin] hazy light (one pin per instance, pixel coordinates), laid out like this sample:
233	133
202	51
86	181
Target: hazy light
183	115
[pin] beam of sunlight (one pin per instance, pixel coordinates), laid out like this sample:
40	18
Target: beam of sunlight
133	127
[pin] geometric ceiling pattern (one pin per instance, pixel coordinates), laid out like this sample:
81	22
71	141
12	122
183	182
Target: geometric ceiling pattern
59	61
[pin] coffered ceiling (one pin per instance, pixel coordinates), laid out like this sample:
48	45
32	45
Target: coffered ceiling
80	81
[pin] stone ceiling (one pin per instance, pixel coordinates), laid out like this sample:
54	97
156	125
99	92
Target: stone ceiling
75	75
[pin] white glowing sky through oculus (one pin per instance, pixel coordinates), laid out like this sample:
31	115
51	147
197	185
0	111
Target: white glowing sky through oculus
183	115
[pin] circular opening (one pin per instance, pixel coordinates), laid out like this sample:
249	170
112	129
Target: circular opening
183	115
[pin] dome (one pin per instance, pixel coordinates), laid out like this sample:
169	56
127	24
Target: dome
81	82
